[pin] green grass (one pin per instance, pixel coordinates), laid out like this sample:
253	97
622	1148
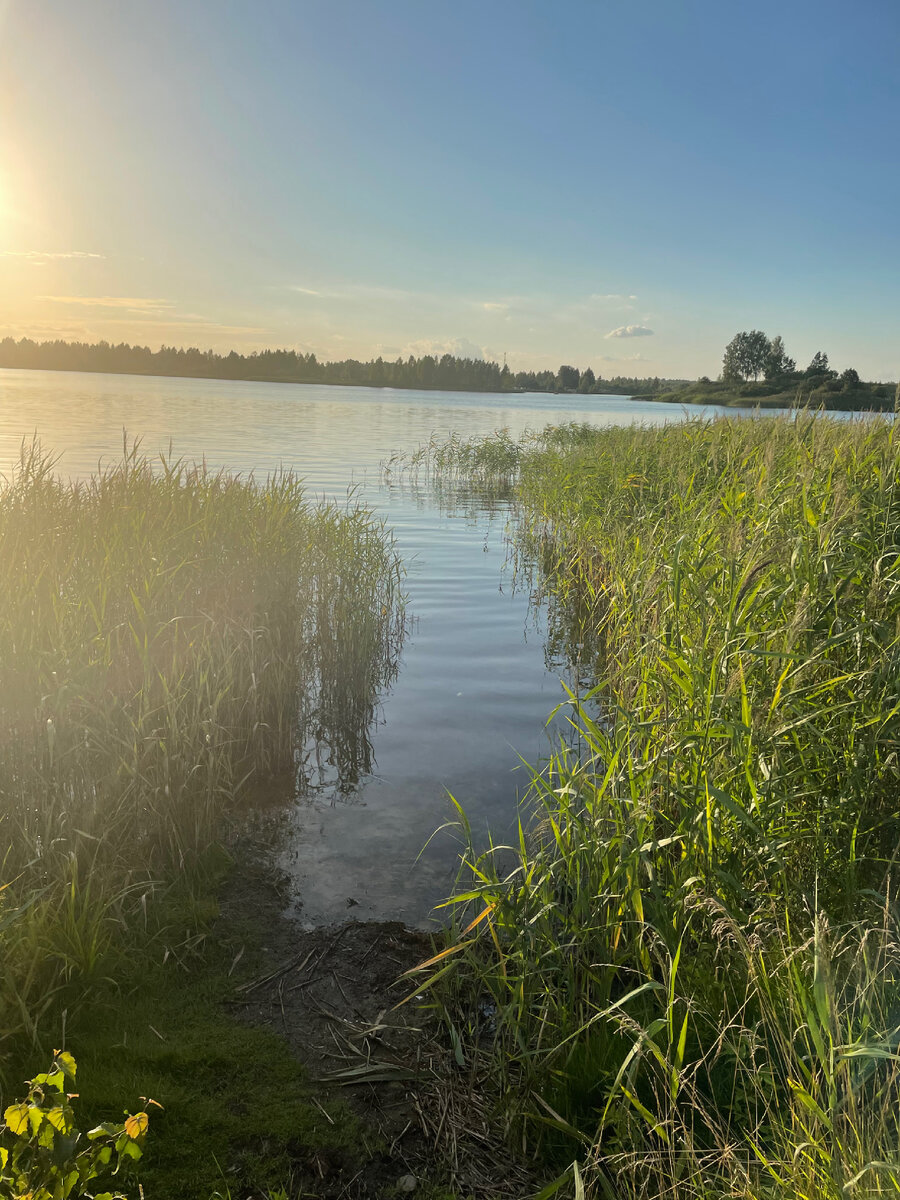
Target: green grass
232	1112
238	1112
693	947
168	636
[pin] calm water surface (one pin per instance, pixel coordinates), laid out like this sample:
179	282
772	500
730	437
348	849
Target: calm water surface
473	692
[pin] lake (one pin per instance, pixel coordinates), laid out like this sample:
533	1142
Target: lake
474	689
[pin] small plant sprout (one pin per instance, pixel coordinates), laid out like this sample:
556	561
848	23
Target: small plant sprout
43	1154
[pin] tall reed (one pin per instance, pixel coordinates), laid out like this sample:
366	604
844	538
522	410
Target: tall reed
693	957
167	633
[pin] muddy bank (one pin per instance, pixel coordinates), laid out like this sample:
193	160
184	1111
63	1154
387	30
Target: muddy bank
332	995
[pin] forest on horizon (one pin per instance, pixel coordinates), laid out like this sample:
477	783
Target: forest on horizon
447	372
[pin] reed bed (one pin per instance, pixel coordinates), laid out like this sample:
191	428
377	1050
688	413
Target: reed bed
687	979
168	634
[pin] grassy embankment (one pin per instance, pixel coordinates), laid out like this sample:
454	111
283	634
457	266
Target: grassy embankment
812	393
695	957
168	637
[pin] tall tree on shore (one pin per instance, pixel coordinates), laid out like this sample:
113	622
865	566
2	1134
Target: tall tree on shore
745	356
819	365
778	362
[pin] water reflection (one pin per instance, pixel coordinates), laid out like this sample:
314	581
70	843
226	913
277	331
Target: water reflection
337	752
356	625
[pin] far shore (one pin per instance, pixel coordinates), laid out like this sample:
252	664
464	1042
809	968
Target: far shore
448	375
864	397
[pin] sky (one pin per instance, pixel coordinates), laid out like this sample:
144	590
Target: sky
621	184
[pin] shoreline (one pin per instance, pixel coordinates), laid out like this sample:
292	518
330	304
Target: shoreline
777	400
793	398
375	387
336	996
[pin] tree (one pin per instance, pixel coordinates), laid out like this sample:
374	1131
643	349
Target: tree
732	371
756	350
745	356
819	365
777	361
567	378
849	378
587	381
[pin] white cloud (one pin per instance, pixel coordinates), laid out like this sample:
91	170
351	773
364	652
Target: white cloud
190	330
610	298
358	292
630	331
46	255
137	304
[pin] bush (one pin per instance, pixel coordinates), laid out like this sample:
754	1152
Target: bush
44	1156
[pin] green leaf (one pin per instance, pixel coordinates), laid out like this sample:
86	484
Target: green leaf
457	1046
545	1193
809	1103
579	1183
59	1119
106	1129
16	1118
884	1168
66	1063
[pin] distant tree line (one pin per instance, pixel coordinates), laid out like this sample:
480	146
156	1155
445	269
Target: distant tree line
277	366
446	372
571	380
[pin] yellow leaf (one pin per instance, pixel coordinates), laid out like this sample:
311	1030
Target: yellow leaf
136	1125
58	1119
429	962
486	913
16	1118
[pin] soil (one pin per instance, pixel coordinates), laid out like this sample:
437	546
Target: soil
332	994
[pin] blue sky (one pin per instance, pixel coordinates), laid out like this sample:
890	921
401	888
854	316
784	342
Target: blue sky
552	181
